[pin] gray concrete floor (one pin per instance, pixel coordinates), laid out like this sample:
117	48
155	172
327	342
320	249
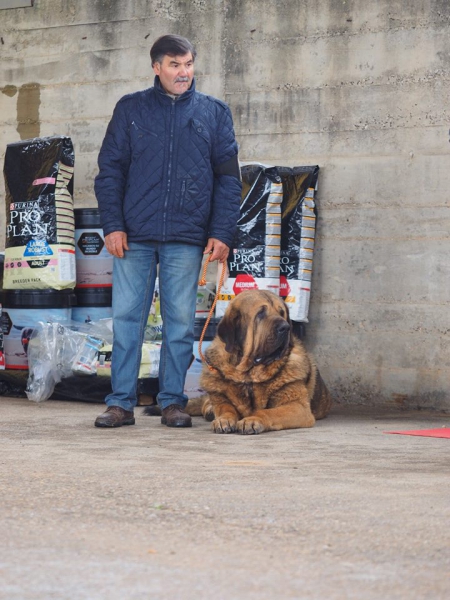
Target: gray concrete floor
340	511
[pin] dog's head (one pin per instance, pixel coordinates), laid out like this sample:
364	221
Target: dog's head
256	329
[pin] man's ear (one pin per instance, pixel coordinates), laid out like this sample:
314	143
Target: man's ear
156	68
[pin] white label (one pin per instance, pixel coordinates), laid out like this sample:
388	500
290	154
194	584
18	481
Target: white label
66	265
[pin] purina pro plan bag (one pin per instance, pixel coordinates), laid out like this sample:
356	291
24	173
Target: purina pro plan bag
298	230
40	247
254	259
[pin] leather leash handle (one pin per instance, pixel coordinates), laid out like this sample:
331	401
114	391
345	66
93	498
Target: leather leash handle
211	311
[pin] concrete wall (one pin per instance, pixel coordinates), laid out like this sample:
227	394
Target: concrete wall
359	88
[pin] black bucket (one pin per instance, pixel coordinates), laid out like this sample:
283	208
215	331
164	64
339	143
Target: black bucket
21	312
210	330
93	304
94	263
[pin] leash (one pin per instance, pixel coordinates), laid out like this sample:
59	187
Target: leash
211	311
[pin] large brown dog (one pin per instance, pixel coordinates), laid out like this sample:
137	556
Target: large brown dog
258	375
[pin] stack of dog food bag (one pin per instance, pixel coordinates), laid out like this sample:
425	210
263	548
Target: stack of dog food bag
274	244
39	262
254	259
298	231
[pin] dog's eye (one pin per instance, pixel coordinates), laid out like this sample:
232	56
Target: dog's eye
261	313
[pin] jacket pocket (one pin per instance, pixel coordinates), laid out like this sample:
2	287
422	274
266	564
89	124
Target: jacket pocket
141	138
201	130
141	131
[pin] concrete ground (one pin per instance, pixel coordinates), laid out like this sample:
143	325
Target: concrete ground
340	511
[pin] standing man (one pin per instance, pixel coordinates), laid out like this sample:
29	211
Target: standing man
168	191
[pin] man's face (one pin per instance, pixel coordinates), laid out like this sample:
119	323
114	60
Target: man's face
175	73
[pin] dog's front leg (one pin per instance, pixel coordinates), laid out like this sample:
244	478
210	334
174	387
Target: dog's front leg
226	416
287	416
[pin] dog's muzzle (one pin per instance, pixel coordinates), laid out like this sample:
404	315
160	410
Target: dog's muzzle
280	345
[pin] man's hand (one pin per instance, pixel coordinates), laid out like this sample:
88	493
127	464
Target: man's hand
116	243
219	250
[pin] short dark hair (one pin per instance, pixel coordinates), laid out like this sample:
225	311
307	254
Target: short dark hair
171	45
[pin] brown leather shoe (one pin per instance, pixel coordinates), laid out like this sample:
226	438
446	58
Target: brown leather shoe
174	416
114	416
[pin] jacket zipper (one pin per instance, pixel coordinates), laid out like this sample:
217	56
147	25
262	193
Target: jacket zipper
169	171
141	130
183	191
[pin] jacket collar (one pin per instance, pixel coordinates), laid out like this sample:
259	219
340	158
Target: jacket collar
166	98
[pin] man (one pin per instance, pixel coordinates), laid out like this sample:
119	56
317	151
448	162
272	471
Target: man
168	191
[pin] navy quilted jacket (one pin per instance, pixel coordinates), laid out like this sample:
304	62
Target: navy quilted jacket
159	168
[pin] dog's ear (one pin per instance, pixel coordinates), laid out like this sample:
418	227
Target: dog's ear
288	318
230	331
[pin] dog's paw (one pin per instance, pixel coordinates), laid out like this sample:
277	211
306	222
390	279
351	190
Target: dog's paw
223	425
208	411
250	426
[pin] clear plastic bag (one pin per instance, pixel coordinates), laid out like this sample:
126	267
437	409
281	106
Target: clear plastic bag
58	351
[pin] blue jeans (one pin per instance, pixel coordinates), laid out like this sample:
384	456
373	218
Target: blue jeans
134	278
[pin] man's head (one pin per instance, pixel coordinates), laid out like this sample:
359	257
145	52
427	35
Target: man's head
173	61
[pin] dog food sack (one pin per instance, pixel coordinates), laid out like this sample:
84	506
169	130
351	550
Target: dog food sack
40	246
298	229
254	260
2	354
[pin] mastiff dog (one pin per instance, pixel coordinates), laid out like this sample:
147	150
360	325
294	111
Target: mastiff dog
257	375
